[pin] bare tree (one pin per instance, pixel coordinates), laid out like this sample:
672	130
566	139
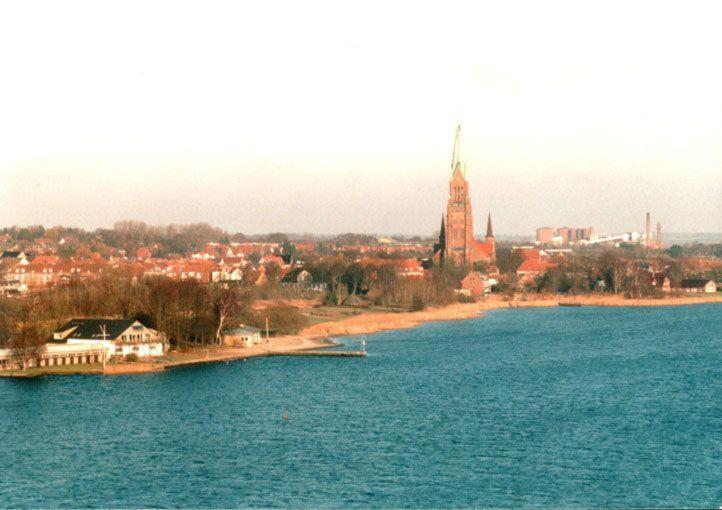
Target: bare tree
28	335
226	305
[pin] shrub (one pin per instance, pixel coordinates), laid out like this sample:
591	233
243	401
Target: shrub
132	357
284	320
463	298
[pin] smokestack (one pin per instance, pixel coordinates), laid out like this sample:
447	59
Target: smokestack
648	232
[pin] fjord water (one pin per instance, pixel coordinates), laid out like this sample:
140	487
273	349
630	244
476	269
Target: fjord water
564	407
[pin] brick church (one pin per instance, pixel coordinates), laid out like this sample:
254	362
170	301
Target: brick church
457	245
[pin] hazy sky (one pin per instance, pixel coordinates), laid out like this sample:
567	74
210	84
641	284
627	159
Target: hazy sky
333	117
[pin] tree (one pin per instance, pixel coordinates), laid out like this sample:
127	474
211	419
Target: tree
285	320
614	269
273	272
353	277
28	336
289	251
676	251
227	305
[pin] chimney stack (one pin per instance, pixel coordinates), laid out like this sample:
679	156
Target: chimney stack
648	232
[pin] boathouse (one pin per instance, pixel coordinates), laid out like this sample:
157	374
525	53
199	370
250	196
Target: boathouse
55	355
120	337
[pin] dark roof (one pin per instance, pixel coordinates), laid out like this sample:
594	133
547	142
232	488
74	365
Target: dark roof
247	330
659	278
292	275
694	283
10	254
91	328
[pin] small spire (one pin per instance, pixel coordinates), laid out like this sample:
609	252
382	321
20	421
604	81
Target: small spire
457	148
489	230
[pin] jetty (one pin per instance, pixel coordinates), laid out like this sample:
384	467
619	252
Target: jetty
332	354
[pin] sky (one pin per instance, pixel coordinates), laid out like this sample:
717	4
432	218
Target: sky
331	117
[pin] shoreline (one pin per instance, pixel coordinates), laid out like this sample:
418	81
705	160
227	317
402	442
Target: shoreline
368	322
319	336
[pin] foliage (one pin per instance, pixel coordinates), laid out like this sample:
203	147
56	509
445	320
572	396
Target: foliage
284	320
675	251
27	333
418	303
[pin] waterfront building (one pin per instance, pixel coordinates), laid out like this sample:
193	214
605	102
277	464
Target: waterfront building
457	245
119	337
55	355
698	286
244	336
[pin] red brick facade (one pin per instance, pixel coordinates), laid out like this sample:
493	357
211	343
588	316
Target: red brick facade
457	245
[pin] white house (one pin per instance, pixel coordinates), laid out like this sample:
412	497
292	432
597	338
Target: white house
698	285
244	336
119	337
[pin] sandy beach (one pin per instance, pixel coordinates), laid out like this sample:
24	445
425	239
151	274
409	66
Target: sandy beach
367	323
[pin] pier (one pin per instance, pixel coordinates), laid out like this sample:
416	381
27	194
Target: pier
337	354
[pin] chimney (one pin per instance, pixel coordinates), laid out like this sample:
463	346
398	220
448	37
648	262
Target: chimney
648	232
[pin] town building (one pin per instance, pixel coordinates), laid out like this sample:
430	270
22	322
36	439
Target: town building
119	337
457	246
409	269
562	236
477	284
301	279
532	268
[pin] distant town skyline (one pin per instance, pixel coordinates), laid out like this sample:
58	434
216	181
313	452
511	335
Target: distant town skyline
322	118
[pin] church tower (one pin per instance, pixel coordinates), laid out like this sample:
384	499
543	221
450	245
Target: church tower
459	232
490	240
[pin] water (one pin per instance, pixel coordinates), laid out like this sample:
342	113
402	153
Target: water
564	407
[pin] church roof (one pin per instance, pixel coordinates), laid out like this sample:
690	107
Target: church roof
483	249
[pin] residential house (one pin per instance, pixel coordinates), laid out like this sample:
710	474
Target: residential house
662	282
698	285
409	268
477	284
532	268
301	279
